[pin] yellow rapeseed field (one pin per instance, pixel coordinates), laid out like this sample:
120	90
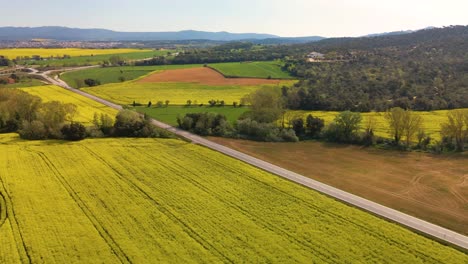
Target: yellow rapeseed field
86	107
432	120
73	52
166	200
177	93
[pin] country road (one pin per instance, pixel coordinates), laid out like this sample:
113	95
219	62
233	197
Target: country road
421	226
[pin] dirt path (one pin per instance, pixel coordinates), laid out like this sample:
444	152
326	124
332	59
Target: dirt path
203	75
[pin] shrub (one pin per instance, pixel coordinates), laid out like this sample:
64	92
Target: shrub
34	130
74	131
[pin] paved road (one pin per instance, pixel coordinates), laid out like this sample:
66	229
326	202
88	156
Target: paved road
414	223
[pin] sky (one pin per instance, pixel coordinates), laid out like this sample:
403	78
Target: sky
287	18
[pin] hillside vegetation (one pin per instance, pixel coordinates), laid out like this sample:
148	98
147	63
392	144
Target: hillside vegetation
145	200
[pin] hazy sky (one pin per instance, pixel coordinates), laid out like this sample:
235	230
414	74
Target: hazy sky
280	17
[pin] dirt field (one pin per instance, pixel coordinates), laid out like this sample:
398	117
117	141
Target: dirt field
430	187
202	75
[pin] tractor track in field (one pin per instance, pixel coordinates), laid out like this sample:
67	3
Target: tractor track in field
324	256
3	209
9	214
189	230
118	252
337	216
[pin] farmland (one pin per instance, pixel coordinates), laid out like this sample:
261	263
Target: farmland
95	59
430	187
153	200
14	53
23	82
178	86
86	107
169	114
107	75
257	69
431	120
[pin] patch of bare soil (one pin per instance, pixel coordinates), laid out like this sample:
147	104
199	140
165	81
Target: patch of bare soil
202	75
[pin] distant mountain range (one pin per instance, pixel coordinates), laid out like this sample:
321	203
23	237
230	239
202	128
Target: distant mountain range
78	34
64	33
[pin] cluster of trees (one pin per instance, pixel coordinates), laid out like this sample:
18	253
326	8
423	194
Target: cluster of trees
229	52
205	124
258	124
455	130
5	61
114	60
33	119
87	82
425	70
211	124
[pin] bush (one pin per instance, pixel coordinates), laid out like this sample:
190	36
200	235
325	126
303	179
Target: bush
205	124
92	82
74	131
254	130
129	123
314	125
34	130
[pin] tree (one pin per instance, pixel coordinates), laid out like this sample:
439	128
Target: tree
92	82
266	104
347	125
116	60
314	125
53	114
34	130
456	128
403	123
74	131
166	103
159	104
412	125
298	126
396	121
189	102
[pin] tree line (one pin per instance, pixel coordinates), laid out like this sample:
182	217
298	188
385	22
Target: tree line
268	120
34	119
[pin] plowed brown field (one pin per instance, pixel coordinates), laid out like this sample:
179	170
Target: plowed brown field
202	75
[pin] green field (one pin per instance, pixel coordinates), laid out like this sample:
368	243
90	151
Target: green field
169	114
258	69
154	200
24	82
113	74
177	93
96	59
